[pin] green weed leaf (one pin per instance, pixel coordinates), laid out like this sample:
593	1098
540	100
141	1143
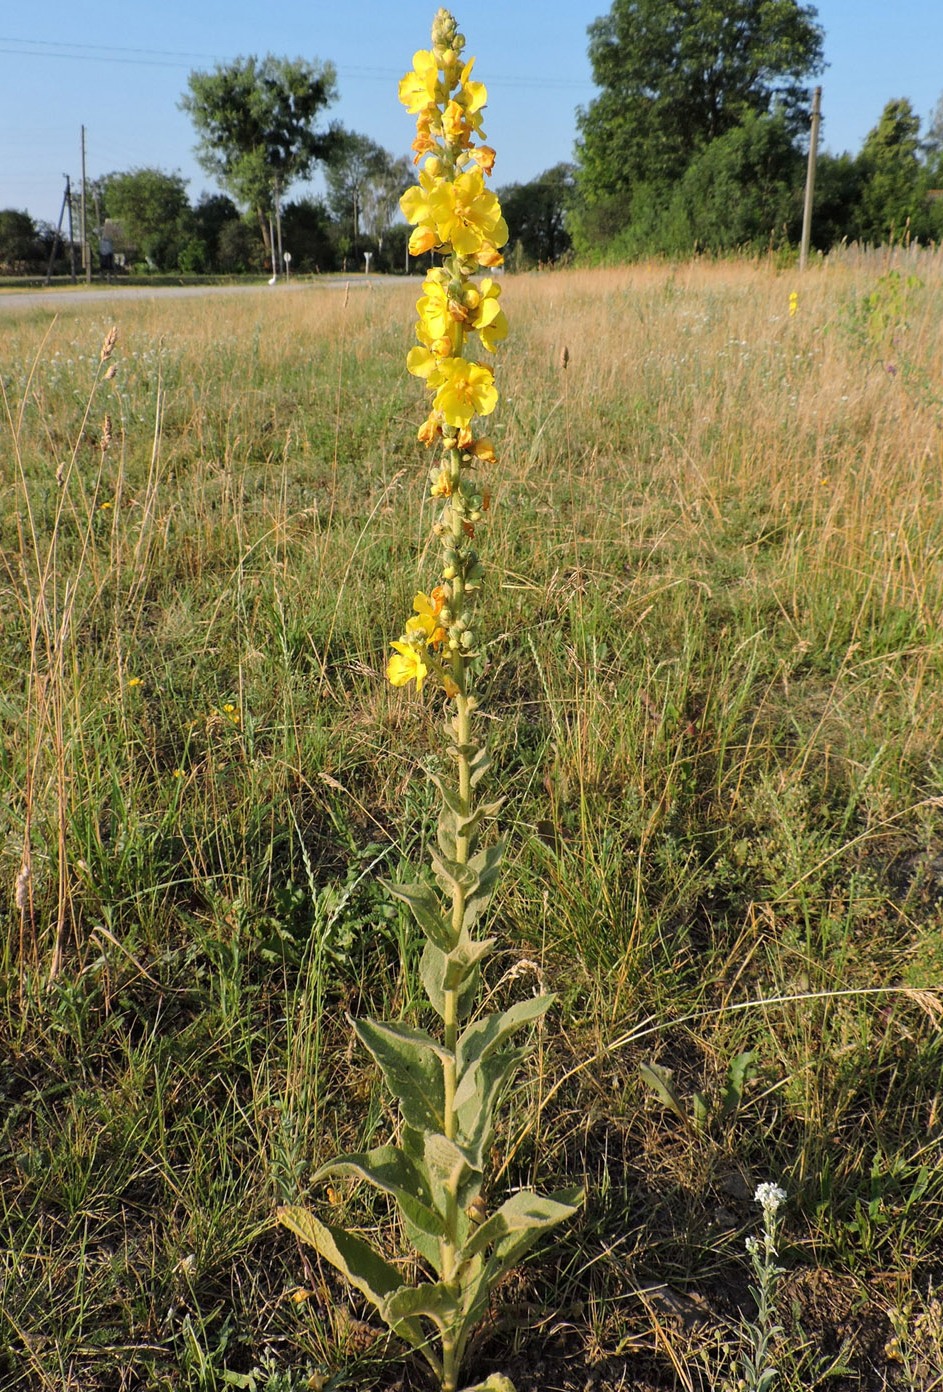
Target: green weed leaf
411	1062
424	903
524	1212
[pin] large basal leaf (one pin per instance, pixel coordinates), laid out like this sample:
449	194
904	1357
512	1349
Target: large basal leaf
355	1260
411	1062
523	1212
424	903
484	1036
392	1171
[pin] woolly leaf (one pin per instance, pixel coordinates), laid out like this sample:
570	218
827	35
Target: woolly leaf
457	970
485	1035
423	902
357	1261
393	1172
486	866
524	1212
411	1062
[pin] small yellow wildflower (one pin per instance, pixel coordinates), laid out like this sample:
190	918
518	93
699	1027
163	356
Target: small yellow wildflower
135	681
425	620
793	303
407	664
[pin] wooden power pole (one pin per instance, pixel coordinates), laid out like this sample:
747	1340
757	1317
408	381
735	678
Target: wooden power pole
86	250
810	178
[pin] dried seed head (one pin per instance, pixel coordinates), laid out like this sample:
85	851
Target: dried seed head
106	433
110	371
564	357
21	895
60	473
110	340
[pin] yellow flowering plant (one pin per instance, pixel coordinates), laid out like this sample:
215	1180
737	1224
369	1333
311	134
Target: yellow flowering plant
447	1084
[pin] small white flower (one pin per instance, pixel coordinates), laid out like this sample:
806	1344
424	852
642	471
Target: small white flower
770	1198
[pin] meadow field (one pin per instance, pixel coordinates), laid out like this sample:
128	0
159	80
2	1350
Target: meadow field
715	695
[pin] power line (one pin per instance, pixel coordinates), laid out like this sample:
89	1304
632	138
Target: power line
170	58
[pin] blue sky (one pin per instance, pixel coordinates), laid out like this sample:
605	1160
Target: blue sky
120	71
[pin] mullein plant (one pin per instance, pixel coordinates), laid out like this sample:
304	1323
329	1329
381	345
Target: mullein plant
448	1082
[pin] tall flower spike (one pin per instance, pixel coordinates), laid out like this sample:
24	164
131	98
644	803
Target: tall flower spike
447	1087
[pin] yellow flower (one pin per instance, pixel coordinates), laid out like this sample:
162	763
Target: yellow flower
407	664
793	303
135	681
418	89
463	389
466	214
425	620
488	318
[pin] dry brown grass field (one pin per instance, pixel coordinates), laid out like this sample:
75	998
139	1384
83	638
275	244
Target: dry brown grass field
713	684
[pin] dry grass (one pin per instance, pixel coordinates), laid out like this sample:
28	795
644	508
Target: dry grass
714	682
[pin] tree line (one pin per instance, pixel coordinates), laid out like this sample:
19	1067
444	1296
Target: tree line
696	142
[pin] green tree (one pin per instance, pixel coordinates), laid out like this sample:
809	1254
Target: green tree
307	235
536	214
19	240
255	119
744	189
364	184
153	210
211	214
677	74
893	196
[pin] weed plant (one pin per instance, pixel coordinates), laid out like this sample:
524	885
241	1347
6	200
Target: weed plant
714	696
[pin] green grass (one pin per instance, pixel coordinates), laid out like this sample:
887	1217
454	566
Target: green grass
713	689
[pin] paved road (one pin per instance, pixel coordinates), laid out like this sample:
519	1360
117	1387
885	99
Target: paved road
54	298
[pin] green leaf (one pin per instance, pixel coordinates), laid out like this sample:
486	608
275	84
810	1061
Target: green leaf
487	1034
509	1249
522	1212
426	910
480	764
437	972
487	866
446	833
739	1072
451	874
354	1259
450	1170
392	1171
411	1062
482	1084
449	794
658	1079
432	1300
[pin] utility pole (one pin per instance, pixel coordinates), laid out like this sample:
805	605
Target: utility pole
810	178
86	254
66	205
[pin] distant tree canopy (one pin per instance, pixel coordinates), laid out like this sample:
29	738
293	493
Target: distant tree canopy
153	210
19	240
255	119
364	184
535	213
675	77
